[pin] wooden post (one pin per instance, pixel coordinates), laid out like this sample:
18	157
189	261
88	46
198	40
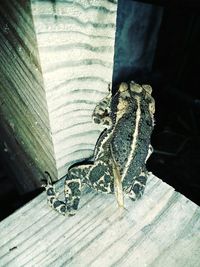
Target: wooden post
76	47
25	138
49	87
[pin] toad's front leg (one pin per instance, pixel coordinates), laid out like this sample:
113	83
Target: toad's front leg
101	112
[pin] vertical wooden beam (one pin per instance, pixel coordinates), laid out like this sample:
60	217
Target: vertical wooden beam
76	47
25	138
56	62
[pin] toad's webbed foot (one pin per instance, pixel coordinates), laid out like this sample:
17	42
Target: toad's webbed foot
136	189
62	207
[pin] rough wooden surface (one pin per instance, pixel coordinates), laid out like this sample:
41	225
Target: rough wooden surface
161	229
25	139
49	87
76	47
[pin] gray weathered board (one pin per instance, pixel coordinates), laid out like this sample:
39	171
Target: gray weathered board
76	47
160	230
56	61
25	141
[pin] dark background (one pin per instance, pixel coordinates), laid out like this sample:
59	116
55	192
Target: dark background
156	44
165	54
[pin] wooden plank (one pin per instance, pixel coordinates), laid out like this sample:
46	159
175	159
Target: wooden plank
47	95
161	229
24	131
76	47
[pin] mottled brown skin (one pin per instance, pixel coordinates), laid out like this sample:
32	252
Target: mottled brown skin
125	144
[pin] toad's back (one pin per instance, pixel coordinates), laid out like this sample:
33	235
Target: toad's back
133	119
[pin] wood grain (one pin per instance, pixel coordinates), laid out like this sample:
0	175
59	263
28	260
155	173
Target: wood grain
25	139
55	64
76	47
161	229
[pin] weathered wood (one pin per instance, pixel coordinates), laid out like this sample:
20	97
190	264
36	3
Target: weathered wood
76	47
161	229
47	94
25	139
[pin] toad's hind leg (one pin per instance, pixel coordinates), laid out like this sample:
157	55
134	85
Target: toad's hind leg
100	178
136	189
72	191
97	176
